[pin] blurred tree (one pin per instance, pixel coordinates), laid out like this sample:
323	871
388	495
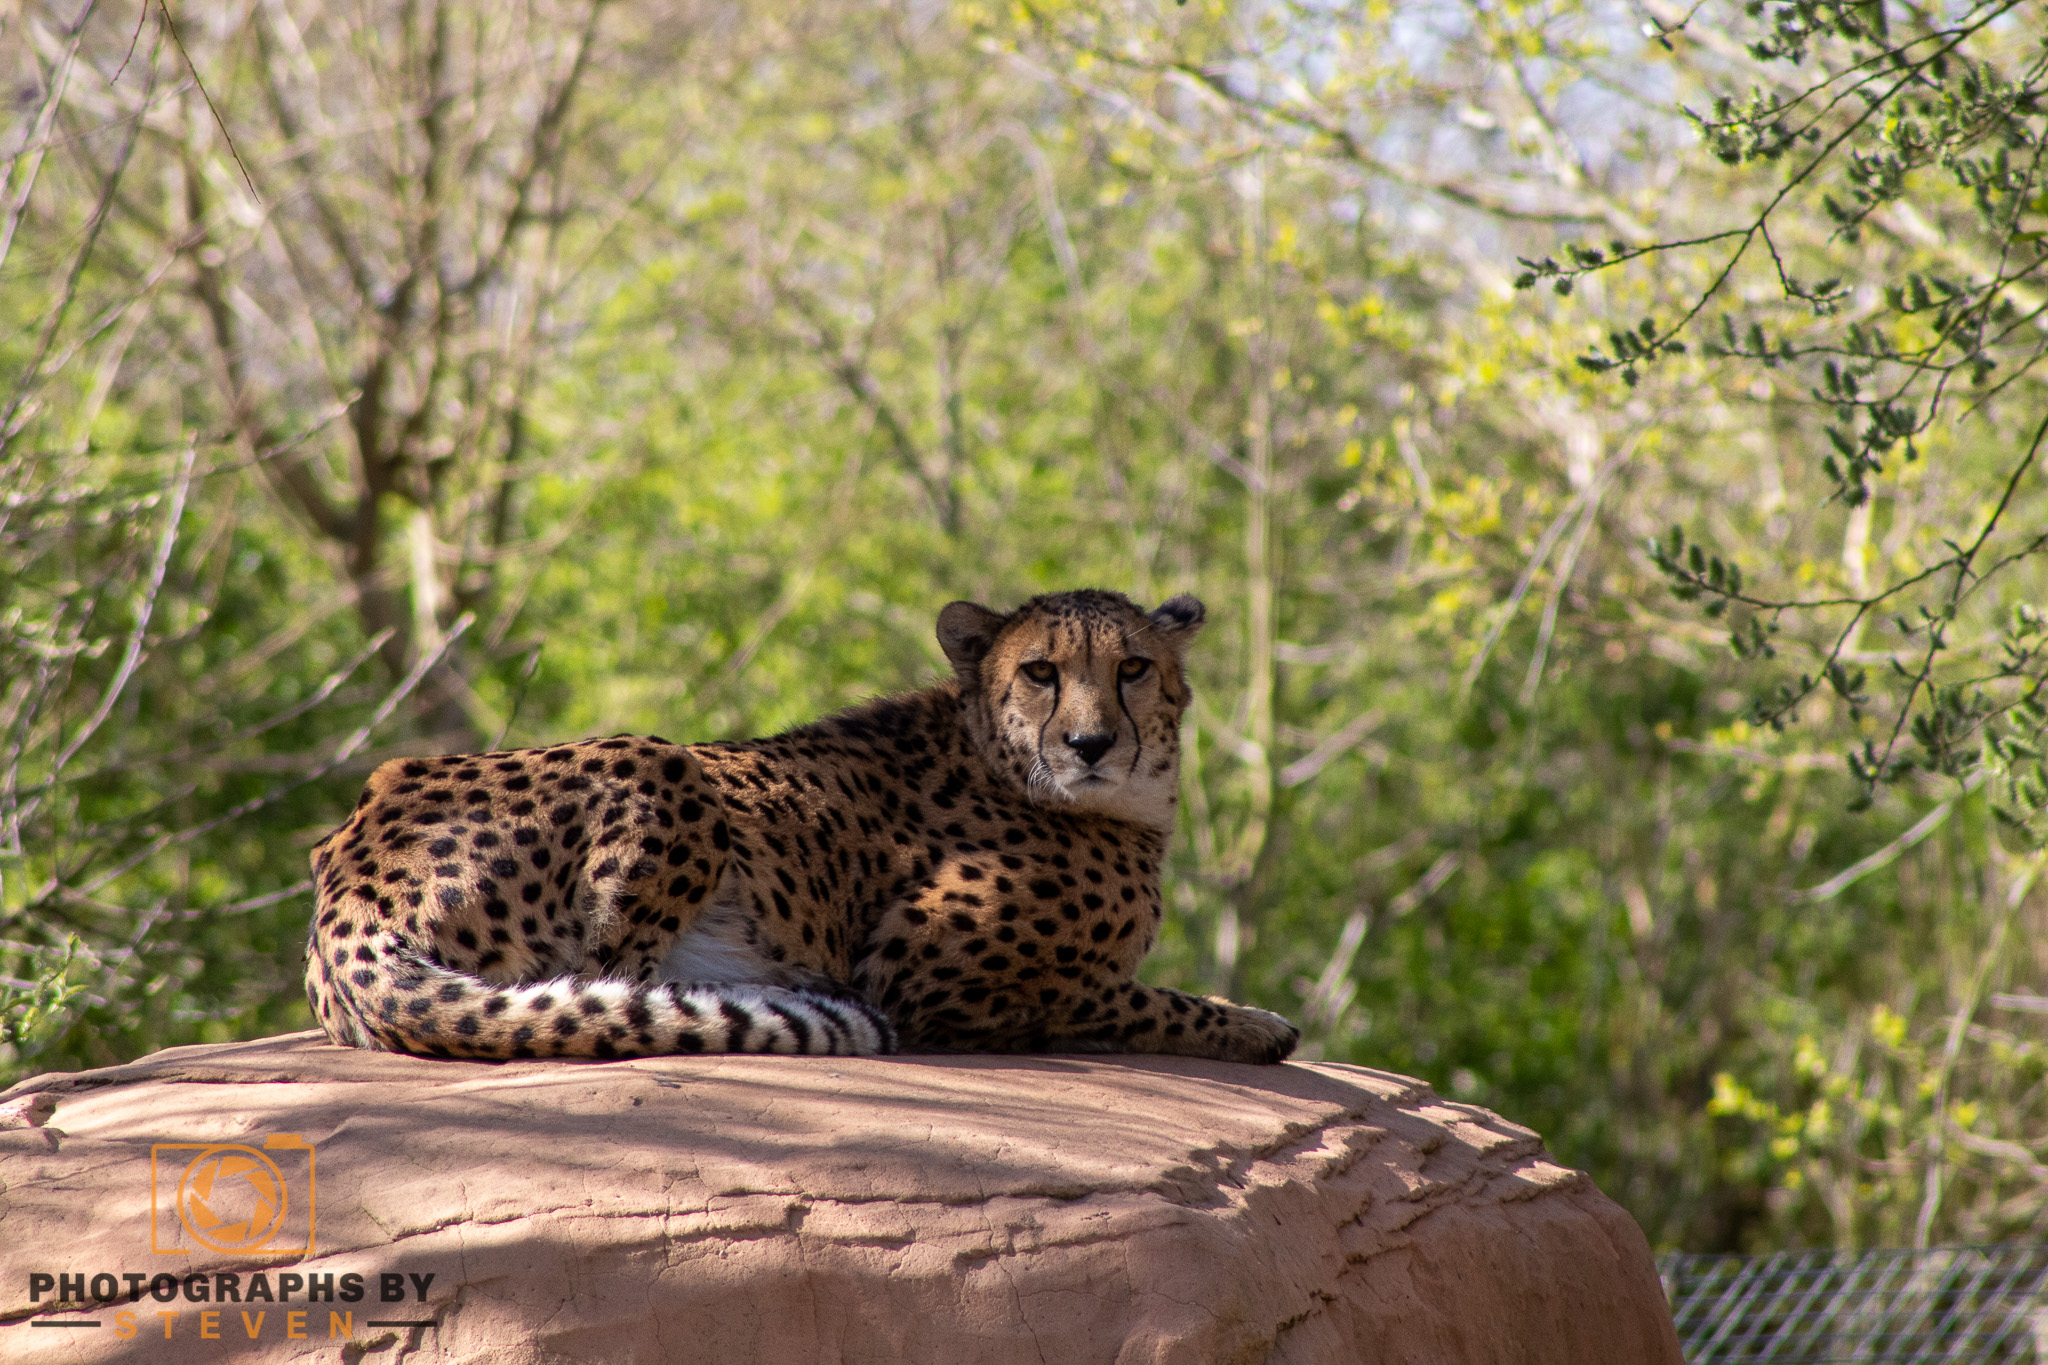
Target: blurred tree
376	244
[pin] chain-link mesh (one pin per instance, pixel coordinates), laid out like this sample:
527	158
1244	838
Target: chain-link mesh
1954	1305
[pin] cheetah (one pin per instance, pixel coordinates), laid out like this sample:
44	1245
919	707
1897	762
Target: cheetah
971	867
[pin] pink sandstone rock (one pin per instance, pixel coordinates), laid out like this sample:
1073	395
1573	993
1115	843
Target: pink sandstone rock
948	1209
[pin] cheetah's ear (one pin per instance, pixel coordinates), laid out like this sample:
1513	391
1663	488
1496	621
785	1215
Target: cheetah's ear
1177	619
966	632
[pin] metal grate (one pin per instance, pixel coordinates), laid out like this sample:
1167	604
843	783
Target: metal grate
1954	1305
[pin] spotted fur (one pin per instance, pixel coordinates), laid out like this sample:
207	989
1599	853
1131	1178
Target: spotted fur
970	867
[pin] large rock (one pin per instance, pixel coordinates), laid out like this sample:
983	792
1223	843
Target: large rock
946	1209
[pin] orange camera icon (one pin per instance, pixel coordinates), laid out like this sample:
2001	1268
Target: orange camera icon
232	1197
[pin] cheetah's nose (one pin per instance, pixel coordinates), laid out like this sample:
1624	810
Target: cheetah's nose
1091	747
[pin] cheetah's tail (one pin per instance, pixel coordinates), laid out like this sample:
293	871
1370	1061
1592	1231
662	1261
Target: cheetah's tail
417	1006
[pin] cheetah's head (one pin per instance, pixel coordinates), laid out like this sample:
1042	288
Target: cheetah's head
1077	697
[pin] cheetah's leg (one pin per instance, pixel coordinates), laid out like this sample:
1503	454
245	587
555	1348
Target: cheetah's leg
1153	1019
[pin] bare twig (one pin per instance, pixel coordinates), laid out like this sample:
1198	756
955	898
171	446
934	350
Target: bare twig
1577	507
1334	988
1425	886
132	652
1339	742
171	27
1930	1203
20	181
335	759
1884	857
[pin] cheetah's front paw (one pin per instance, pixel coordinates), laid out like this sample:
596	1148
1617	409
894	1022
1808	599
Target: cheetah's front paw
1254	1035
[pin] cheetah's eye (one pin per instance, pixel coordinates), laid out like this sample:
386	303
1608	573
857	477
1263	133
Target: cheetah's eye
1130	670
1039	671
